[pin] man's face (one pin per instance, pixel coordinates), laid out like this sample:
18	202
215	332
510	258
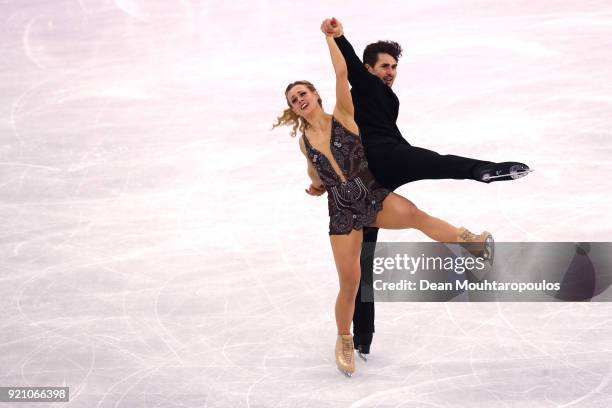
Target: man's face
385	68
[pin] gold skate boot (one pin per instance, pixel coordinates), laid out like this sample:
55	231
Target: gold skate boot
481	245
345	355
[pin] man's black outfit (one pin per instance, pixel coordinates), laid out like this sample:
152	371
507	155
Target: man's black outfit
392	160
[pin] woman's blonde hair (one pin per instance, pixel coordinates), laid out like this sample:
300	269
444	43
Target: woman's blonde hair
289	117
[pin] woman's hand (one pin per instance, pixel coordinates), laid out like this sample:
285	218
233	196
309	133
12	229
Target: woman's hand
326	27
315	190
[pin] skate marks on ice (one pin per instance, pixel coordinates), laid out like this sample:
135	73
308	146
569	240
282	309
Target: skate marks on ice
157	246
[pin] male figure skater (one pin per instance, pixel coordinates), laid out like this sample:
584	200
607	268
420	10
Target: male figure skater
393	160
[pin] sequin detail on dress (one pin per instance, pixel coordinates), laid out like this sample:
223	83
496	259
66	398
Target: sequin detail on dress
352	204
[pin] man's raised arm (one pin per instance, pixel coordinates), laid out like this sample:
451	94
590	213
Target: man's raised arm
358	75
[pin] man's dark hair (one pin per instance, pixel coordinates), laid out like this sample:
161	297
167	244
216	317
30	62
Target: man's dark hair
370	54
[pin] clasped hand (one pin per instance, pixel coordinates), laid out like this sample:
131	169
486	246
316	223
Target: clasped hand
332	27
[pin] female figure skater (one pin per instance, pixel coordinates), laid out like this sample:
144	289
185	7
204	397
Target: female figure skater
337	165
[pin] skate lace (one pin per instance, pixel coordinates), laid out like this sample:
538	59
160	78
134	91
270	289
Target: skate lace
347	349
467	236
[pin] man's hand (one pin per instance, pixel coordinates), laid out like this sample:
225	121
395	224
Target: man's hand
332	27
315	190
337	25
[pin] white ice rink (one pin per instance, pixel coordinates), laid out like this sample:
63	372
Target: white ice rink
157	247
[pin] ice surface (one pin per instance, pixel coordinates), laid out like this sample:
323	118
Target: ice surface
158	249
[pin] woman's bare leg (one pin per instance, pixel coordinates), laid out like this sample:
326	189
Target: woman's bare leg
400	213
346	249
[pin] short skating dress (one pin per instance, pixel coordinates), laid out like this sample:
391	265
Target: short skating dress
352	204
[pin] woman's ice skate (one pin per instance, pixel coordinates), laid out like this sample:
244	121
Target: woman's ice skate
345	356
481	245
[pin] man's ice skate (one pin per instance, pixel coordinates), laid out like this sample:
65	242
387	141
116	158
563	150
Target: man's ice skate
481	245
504	171
362	344
345	355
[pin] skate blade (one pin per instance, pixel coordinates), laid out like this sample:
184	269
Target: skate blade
514	176
346	373
520	174
362	356
489	249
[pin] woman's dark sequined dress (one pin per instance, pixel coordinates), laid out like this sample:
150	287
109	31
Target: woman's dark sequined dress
355	203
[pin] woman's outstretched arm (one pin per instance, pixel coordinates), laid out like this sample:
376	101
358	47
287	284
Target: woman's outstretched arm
344	101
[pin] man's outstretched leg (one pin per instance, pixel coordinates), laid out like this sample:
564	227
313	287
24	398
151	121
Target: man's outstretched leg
363	317
405	163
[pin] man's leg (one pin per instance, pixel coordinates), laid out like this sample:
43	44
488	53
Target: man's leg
363	317
393	168
403	164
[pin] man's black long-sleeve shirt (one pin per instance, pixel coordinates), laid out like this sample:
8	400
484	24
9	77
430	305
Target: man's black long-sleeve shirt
376	105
